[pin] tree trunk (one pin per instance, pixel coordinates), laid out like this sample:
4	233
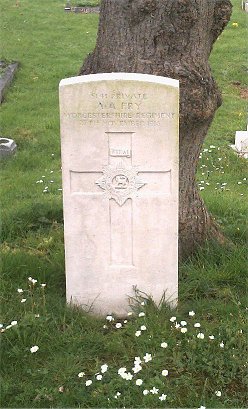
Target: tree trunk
171	38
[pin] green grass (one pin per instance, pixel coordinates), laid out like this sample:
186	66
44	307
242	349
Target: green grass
50	45
91	3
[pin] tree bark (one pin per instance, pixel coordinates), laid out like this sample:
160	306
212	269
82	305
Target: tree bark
171	38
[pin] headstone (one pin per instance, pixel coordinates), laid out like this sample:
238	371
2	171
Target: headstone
119	135
7	147
244	5
241	143
68	6
85	10
7	75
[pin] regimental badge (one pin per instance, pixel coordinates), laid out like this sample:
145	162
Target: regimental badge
120	182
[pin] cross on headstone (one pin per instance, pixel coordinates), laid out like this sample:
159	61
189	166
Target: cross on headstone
115	181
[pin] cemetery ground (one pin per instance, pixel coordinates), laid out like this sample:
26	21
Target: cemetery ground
55	356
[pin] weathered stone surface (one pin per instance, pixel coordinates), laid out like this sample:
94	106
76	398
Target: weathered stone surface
84	10
241	143
119	135
6	77
7	147
244	5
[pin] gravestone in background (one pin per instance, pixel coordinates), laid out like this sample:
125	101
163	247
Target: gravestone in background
7	72
119	135
241	143
7	147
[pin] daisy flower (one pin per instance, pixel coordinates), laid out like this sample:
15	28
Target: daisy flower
142	314
104	368
147	357
34	349
218	393
154	390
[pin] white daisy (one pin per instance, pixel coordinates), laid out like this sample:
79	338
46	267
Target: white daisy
13	323
34	349
218	393
147	357
104	368
154	390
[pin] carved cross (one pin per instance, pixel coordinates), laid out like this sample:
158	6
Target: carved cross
120	182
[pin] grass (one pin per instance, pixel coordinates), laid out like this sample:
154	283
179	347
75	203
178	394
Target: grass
84	3
90	3
50	45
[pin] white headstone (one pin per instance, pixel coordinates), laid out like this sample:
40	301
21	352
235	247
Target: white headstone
119	135
241	143
244	5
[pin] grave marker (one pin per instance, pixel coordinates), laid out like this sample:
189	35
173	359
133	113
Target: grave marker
7	147
241	143
119	135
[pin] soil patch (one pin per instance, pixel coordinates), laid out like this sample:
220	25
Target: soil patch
244	93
